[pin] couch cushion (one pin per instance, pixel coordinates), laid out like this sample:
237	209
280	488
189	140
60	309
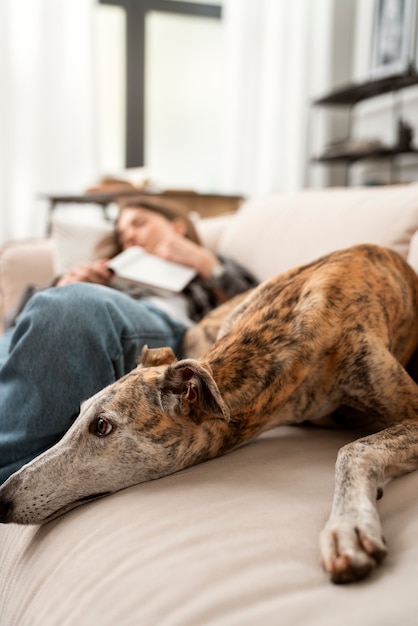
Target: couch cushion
231	542
273	233
210	229
24	262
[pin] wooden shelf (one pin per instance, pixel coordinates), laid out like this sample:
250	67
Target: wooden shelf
356	92
382	153
351	94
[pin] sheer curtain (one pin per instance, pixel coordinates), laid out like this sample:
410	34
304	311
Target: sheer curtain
47	126
277	58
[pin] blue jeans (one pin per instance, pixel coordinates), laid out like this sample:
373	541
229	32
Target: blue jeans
68	343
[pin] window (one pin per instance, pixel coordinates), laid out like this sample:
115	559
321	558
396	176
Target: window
167	104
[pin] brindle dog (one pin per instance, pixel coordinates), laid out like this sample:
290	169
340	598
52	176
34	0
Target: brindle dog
327	337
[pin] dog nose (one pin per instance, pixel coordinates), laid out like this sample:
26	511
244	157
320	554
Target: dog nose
5	509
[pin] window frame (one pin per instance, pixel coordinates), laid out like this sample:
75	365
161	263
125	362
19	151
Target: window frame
136	13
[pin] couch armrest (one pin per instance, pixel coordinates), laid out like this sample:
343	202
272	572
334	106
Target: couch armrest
23	263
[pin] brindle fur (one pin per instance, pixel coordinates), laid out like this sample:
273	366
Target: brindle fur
198	339
330	338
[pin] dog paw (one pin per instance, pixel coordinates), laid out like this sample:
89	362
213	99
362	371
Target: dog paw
351	551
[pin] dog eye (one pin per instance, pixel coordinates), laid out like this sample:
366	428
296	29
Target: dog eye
101	427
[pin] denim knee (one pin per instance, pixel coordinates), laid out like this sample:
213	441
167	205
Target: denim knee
95	315
75	306
70	297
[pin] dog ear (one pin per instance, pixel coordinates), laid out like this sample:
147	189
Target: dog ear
150	357
188	388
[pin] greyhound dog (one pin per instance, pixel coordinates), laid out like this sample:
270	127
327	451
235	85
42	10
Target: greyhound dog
323	342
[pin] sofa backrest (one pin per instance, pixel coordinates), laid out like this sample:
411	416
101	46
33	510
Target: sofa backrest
268	234
273	233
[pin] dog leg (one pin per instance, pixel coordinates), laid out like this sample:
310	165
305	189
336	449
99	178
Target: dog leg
352	543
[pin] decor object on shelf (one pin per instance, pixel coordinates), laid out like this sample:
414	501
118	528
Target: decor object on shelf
352	148
405	135
393	37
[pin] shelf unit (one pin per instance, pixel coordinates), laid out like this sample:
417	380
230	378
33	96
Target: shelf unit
350	95
352	157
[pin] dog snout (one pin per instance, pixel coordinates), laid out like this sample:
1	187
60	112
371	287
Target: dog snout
6	507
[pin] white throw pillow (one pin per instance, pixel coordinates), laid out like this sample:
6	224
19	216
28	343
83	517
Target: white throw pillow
274	233
78	234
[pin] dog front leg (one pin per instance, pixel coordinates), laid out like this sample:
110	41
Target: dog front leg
352	543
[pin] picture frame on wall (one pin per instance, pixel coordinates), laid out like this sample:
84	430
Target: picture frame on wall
393	39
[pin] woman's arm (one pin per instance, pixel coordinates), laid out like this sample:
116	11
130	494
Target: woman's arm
95	272
178	249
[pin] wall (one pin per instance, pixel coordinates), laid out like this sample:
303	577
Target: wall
330	124
343	37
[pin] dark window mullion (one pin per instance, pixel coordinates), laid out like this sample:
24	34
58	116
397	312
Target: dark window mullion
135	84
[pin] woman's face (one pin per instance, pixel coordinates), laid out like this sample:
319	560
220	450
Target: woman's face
141	227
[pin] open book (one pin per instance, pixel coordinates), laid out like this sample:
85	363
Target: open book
161	276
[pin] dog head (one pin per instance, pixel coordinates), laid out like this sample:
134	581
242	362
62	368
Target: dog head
142	427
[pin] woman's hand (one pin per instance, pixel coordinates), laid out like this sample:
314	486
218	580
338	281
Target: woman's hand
174	247
95	272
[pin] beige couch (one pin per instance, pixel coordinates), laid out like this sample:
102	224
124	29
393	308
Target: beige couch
231	542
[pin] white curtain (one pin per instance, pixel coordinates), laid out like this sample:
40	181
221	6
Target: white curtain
47	126
277	58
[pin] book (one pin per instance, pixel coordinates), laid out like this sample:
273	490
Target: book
148	270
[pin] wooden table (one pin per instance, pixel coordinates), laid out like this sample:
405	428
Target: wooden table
205	204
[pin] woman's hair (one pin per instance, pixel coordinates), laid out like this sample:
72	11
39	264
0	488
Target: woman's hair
167	208
110	245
